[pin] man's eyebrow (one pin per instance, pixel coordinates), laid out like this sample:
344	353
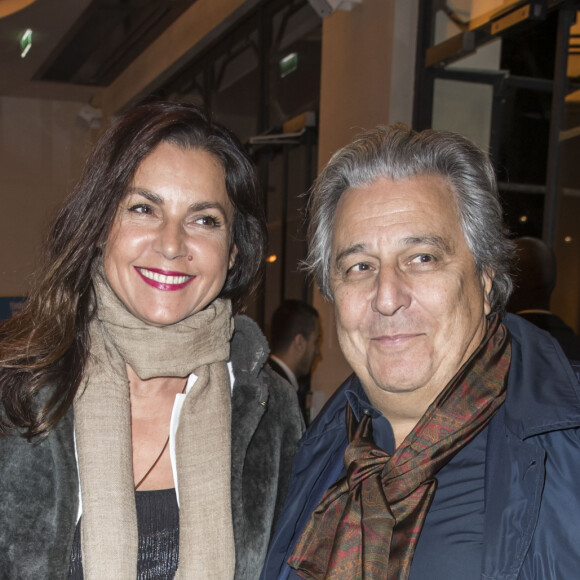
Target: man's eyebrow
428	240
355	249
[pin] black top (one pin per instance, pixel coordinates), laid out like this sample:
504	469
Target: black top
303	388
158	529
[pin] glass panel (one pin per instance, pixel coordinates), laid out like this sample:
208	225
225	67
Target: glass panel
236	93
512	114
296	234
465	108
294	62
287	248
451	17
565	300
525	130
275	191
188	89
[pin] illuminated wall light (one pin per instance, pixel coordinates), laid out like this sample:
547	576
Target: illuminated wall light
568	239
288	64
25	42
271	258
523	219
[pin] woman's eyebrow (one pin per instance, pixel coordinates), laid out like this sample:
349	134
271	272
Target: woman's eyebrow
203	205
155	198
146	193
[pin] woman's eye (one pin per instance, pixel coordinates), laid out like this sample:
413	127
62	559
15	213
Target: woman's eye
208	220
141	208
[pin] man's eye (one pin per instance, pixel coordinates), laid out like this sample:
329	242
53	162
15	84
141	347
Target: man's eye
360	267
423	259
208	220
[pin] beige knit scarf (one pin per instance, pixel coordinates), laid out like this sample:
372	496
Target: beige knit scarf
198	344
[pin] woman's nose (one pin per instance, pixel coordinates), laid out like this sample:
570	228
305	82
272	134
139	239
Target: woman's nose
171	240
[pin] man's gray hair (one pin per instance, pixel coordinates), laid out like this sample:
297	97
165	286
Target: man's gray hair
398	152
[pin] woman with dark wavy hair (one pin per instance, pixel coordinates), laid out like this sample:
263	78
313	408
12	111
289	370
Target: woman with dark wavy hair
141	435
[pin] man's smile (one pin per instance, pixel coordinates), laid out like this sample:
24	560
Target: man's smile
395	339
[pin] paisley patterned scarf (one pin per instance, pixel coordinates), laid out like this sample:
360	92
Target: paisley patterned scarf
367	524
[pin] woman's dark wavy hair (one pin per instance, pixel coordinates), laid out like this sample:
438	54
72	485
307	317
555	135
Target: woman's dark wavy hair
47	344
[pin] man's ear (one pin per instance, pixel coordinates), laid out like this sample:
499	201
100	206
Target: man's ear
486	285
299	343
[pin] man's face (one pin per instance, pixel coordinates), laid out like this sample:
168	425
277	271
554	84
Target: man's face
410	306
311	351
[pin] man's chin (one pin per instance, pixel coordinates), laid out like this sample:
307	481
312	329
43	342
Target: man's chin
402	378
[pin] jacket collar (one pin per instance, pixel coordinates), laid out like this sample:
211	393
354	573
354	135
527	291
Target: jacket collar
249	347
543	393
331	416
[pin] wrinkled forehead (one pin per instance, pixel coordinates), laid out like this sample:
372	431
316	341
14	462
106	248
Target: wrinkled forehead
385	197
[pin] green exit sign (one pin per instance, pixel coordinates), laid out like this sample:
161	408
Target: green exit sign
288	64
25	43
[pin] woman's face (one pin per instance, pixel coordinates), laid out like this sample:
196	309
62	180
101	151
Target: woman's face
170	246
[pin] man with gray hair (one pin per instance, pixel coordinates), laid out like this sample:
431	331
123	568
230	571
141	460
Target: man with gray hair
453	451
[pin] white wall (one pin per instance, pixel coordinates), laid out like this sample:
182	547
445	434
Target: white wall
42	149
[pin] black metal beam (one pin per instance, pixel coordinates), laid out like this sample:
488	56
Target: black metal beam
566	18
501	23
424	81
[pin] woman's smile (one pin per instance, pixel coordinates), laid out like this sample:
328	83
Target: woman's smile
163	279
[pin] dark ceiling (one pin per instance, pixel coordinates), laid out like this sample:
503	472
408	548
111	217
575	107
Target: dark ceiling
78	45
107	37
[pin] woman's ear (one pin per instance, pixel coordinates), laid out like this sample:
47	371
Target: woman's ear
233	254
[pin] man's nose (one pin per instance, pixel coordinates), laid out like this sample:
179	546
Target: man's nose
392	292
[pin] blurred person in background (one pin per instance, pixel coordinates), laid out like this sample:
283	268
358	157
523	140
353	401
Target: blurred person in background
535	276
295	344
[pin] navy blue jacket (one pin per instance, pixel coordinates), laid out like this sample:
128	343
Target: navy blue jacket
532	472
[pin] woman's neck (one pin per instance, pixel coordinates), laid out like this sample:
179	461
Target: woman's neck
152	403
155	387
